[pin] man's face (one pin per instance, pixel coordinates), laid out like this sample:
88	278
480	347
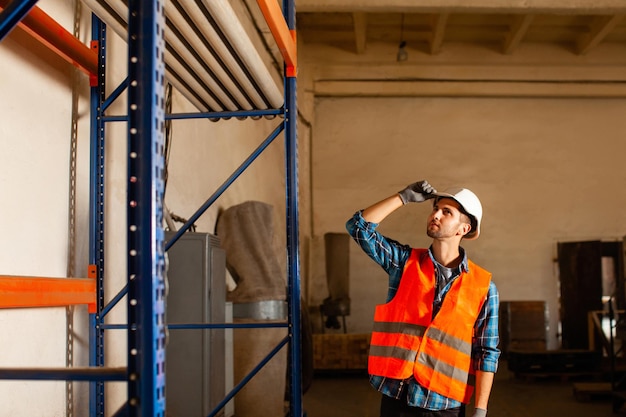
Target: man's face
445	221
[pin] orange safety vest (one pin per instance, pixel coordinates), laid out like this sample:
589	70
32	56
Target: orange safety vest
407	341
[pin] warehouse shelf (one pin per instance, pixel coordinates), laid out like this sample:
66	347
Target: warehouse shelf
215	66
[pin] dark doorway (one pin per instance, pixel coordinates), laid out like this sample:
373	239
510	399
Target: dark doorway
590	273
580	275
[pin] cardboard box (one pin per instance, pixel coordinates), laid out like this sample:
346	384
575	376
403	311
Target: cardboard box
340	351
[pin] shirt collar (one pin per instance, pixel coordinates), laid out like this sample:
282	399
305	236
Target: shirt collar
463	266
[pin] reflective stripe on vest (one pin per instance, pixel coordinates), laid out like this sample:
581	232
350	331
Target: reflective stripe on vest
407	341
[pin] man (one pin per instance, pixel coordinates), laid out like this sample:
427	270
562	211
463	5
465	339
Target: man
436	337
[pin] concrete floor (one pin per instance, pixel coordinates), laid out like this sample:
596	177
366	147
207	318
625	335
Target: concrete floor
351	396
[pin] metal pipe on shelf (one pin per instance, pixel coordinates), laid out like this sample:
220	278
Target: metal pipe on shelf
193	83
184	90
199	18
227	68
198	77
118	22
121	9
229	23
181	23
181	49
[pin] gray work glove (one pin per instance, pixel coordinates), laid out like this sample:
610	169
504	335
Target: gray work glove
417	192
479	412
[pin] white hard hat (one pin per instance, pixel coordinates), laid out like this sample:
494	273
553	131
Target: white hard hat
470	205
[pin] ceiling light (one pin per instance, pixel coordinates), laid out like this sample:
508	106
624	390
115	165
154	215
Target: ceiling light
403	55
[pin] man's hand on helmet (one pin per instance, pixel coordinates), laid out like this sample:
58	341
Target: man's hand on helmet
417	192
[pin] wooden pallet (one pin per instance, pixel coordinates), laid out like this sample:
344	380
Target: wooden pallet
340	351
560	376
591	391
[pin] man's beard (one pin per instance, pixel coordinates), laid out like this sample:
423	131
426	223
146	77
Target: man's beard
434	234
437	232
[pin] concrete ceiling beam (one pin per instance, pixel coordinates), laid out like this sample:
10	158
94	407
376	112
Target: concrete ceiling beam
518	31
598	7
599	29
360	31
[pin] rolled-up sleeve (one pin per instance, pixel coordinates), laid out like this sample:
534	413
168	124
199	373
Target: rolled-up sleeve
387	253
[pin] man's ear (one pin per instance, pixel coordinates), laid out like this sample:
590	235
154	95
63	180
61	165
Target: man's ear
465	229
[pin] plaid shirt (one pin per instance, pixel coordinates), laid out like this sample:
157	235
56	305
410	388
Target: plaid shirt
391	256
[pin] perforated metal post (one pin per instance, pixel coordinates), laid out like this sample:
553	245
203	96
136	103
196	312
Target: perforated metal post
146	266
96	219
293	238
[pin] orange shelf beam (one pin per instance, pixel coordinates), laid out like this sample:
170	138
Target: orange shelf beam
285	38
20	291
54	36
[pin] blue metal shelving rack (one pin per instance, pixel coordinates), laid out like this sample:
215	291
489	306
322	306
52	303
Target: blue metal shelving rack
146	262
145	292
96	217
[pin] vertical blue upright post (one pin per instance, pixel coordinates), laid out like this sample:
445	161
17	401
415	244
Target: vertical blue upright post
146	266
96	213
293	239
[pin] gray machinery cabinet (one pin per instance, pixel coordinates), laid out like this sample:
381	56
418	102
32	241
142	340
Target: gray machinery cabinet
195	358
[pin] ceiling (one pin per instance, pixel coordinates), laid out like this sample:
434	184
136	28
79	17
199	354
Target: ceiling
430	25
